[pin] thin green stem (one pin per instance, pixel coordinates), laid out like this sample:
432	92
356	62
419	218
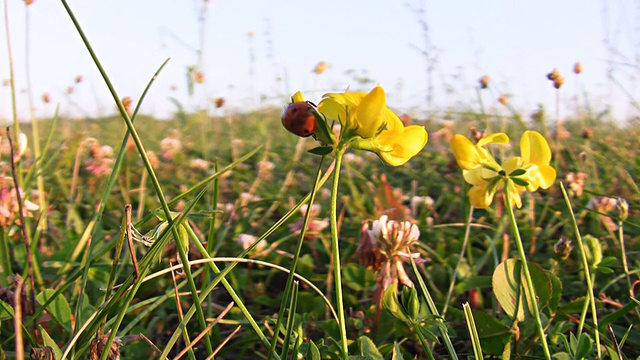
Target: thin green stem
587	273
527	274
335	249
454	276
424	343
434	311
294	264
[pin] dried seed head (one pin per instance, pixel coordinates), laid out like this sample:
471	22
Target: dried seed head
199	77
577	68
98	346
484	82
557	79
562	249
126	102
219	101
623	209
46	98
503	100
477	134
321	67
587	133
78	79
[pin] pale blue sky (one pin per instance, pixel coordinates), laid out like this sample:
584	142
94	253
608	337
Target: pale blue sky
516	43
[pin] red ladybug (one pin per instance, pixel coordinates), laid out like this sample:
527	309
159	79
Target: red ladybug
299	118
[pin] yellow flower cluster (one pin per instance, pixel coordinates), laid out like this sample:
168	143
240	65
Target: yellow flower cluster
527	172
368	124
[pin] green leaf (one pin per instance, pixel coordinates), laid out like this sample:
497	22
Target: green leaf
507	279
494	334
556	292
573	307
541	285
520	182
609	261
518	172
561	356
605	270
6	311
506	287
48	341
321	150
584	347
368	349
313	352
58	308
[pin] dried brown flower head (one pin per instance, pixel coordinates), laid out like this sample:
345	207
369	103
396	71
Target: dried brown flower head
46	98
577	68
219	102
8	295
484	82
98	346
587	133
199	77
385	247
126	102
78	79
477	134
503	100
321	67
562	249
557	79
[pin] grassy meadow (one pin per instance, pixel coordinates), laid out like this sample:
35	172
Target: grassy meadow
229	194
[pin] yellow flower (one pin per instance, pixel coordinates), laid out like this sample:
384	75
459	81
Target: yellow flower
368	124
527	172
365	113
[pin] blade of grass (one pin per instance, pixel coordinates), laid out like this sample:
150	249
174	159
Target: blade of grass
587	274
473	332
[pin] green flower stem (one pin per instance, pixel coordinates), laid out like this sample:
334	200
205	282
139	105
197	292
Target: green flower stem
335	248
527	274
587	274
423	342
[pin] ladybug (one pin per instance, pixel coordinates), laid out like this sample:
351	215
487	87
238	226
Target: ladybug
299	118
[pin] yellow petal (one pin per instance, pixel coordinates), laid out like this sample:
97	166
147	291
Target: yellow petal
514	195
534	148
298	97
371	113
497	138
341	106
512	164
466	153
540	176
478	175
334	110
480	196
397	147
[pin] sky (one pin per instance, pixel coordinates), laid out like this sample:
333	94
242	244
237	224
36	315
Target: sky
257	53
